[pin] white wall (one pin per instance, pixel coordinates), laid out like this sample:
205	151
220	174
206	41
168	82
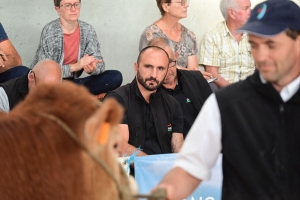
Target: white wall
118	24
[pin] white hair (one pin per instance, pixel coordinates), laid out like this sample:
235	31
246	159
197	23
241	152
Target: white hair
226	4
162	42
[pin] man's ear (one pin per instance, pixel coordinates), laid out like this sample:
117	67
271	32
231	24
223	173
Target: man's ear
31	76
136	66
231	13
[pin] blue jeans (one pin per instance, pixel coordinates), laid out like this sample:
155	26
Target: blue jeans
13	73
102	83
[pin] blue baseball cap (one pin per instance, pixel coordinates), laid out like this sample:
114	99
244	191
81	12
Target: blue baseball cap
272	17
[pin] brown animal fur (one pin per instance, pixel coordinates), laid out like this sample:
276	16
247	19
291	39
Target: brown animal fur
39	160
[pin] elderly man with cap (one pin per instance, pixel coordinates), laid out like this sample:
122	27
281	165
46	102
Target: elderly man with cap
255	123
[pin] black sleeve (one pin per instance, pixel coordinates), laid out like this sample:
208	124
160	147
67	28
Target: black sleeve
177	119
120	100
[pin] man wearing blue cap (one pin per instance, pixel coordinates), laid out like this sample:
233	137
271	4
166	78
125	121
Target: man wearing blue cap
255	123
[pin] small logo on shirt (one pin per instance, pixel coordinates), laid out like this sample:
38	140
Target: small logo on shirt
188	100
169	127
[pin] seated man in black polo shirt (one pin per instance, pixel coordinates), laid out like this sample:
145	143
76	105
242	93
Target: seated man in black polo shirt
188	87
153	119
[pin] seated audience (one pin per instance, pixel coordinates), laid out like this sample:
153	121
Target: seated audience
254	123
225	53
15	90
183	39
10	61
74	45
152	119
188	87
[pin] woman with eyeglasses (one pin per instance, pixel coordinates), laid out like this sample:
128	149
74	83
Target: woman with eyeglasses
168	26
74	45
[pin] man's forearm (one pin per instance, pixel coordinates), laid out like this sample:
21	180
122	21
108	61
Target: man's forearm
178	184
221	82
128	149
176	142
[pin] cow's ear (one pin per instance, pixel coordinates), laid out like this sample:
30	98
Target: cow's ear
98	126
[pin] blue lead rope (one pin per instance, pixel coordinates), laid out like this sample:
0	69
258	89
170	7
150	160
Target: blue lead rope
131	158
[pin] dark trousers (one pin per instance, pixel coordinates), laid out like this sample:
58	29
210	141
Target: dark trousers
213	86
102	83
12	73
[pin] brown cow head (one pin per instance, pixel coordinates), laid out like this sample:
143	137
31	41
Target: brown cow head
40	159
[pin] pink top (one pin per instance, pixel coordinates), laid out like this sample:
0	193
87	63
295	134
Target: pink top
71	47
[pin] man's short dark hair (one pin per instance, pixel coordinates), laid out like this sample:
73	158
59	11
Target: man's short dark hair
292	33
150	47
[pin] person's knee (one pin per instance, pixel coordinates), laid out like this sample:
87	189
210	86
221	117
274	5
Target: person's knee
20	70
12	73
117	77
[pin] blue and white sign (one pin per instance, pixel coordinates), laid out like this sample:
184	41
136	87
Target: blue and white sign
149	171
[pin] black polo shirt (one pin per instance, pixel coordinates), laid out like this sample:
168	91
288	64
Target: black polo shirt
188	109
151	143
152	124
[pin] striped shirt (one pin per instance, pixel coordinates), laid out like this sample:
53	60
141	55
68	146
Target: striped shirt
220	49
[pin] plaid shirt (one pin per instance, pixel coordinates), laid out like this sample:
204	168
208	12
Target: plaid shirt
220	49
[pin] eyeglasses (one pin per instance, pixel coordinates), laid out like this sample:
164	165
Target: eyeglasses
172	63
68	6
183	2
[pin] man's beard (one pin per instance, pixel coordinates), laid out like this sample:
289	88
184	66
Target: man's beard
144	84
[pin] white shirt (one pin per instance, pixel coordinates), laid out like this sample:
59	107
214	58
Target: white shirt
203	142
4	103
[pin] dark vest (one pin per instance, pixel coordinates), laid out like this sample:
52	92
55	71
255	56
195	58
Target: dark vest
16	90
192	80
162	107
260	142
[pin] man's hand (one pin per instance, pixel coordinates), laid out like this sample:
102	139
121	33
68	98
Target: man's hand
206	75
3	58
214	71
92	66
